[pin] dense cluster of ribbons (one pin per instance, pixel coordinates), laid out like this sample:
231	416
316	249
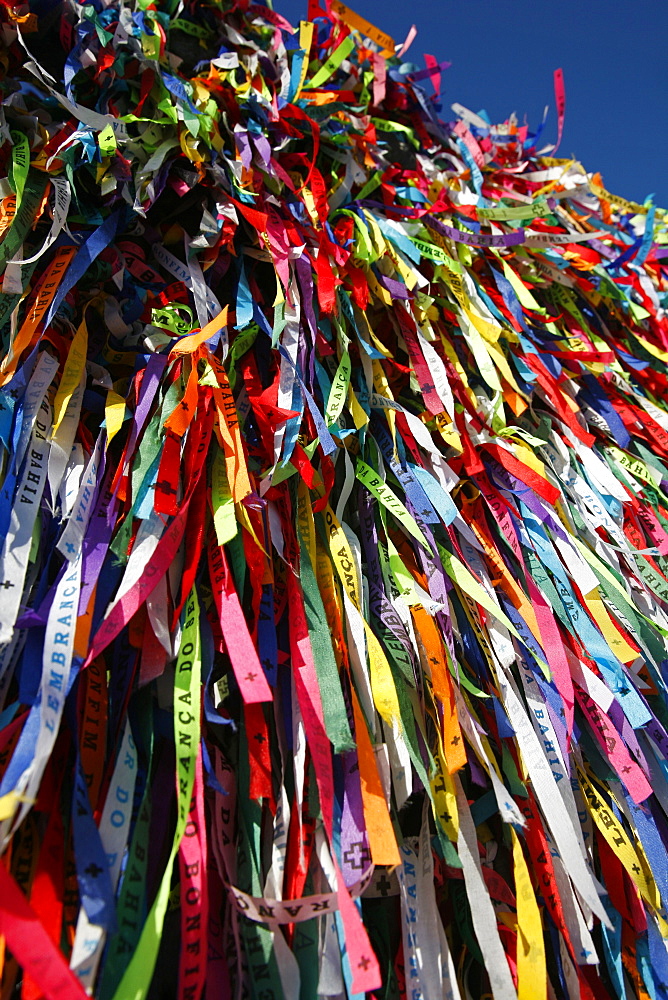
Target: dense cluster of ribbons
334	546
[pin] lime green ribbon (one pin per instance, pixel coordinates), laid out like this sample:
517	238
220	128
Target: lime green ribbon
187	689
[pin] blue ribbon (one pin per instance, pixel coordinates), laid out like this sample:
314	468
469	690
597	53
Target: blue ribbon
90	250
97	894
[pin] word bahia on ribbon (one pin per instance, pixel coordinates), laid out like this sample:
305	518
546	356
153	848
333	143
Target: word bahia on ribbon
334	510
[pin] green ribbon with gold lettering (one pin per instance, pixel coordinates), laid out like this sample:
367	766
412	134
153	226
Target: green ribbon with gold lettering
187	695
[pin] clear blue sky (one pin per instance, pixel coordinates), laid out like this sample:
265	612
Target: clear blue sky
614	54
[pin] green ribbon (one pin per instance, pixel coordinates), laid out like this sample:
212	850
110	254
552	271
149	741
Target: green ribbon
187	696
329	682
333	63
190	28
258	941
389	499
338	390
32	195
536	211
242	343
224	516
18	171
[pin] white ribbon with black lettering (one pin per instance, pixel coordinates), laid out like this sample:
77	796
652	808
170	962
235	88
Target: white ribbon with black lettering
548	738
279	848
287	379
146	542
482	910
40	380
505	802
16	548
414	961
69	543
549	798
437	971
182	273
61	206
